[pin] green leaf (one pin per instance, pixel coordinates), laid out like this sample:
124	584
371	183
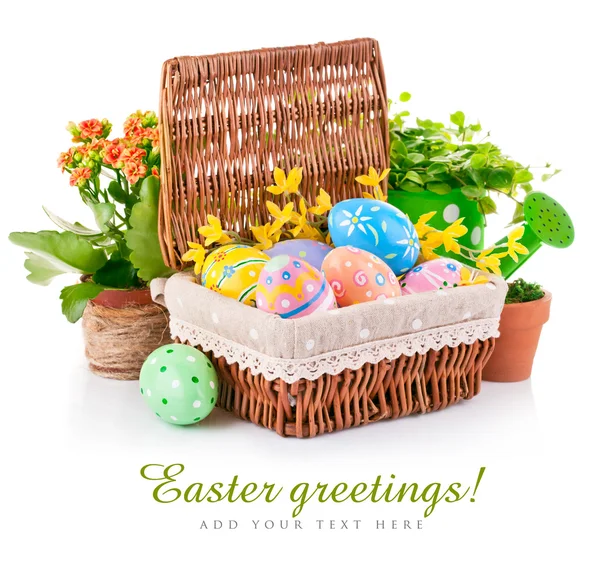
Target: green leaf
436	169
142	237
405	96
75	297
499	179
414	177
410	187
444	159
416	157
478	161
398	147
41	270
487	205
472	192
117	192
65	251
523	176
103	213
518	215
548	176
117	273
458	118
439	188
76	227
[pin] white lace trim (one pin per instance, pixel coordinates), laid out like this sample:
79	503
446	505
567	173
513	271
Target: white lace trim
311	368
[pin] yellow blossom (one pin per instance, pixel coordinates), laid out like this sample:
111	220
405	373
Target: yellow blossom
195	254
323	203
433	240
468	277
266	235
309	232
372	179
282	216
422	227
299	219
451	233
213	232
514	246
286	185
377	194
489	262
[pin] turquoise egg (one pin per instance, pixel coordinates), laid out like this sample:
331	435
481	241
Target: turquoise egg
377	227
179	384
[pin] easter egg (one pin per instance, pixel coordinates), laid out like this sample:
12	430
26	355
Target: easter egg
292	288
233	271
357	276
308	250
179	384
377	227
431	275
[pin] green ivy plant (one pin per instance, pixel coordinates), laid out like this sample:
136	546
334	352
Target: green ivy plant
118	181
521	291
438	157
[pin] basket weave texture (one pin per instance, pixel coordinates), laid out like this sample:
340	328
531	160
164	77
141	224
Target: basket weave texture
225	122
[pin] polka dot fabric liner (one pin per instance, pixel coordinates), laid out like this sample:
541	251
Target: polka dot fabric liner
216	322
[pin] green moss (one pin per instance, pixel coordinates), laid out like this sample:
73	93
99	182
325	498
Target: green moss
520	291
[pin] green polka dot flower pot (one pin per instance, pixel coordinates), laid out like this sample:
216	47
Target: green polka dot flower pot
179	384
448	209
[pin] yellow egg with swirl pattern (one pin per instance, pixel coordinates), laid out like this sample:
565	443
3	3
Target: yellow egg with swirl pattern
233	271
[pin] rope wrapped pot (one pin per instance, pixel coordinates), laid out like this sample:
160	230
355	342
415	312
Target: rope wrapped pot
120	331
225	122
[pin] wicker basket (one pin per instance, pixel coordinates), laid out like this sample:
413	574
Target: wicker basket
225	121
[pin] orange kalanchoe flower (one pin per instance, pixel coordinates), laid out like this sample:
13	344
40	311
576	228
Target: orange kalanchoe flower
113	152
90	128
65	158
132	124
134	155
134	171
80	176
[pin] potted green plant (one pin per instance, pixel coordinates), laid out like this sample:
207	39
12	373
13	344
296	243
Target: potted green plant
452	170
526	310
117	179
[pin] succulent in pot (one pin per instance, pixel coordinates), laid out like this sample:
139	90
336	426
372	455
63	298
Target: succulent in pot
526	311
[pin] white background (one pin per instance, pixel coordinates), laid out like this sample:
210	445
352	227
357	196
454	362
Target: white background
74	508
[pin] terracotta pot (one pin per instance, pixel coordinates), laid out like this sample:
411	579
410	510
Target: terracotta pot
520	328
118	299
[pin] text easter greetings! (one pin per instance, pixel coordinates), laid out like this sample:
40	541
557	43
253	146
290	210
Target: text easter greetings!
171	487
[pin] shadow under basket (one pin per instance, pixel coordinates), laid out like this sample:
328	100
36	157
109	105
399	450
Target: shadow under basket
389	389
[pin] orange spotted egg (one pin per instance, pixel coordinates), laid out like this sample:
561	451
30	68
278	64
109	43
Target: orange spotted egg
357	276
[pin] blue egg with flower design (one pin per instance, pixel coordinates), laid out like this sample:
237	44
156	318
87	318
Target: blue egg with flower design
377	227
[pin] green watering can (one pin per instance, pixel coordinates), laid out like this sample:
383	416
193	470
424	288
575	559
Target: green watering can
546	222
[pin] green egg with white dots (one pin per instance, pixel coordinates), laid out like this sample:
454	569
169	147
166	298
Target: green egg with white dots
179	384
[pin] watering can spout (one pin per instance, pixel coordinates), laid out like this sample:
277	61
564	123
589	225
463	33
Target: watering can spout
546	222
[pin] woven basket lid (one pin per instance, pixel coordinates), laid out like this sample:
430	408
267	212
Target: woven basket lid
227	120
